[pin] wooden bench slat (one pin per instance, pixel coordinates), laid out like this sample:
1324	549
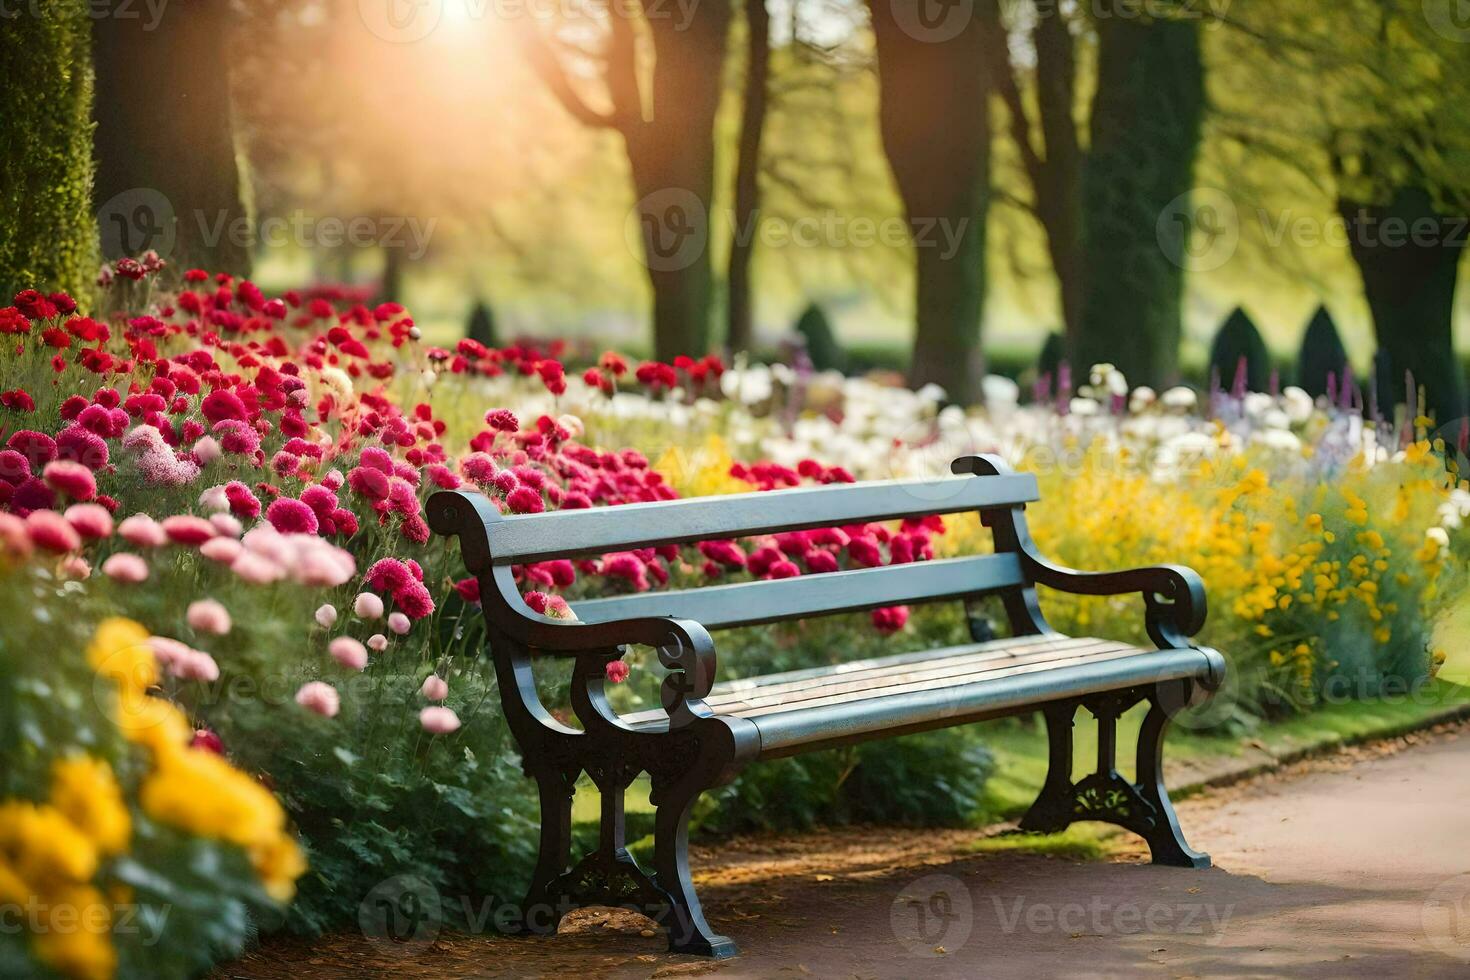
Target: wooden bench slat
968	663
518	539
790	732
957	670
768	601
1010	647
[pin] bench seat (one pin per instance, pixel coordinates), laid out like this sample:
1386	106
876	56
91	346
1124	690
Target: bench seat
799	710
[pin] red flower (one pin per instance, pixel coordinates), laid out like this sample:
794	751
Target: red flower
291	516
524	500
13	321
34	305
617	671
468	589
503	419
890	619
18	400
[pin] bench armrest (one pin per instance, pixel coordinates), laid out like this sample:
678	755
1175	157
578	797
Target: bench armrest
1173	595
684	647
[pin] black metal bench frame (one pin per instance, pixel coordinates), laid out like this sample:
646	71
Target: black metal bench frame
691	748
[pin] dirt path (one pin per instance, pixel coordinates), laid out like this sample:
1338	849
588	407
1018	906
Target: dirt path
1353	865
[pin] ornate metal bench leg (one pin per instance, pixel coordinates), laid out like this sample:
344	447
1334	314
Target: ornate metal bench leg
1165	839
1142	806
684	919
543	907
1052	811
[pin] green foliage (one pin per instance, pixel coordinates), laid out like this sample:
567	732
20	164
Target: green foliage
178	901
1239	339
821	343
482	325
1322	354
46	228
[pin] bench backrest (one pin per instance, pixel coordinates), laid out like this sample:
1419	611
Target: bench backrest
519	539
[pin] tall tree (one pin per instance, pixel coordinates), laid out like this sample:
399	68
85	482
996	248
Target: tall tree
1119	285
1368	101
755	100
46	229
934	114
167	172
667	126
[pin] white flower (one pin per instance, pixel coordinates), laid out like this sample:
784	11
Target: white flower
1116	383
999	391
214	499
1181	398
326	615
1298	404
931	393
1258	403
1439	536
1277	439
1143	396
1085	407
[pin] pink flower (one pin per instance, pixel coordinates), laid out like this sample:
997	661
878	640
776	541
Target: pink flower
187	529
90	520
226	524
214	499
208	616
15	539
243	503
256	569
125	566
524	500
348	652
50	532
367	606
388	575
72	479
75	567
368	482
414	600
319	698
326	616
438	720
207	449
377	643
222	549
399	623
617	671
291	516
435	688
142	531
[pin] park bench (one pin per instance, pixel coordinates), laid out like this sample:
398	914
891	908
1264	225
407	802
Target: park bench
706	732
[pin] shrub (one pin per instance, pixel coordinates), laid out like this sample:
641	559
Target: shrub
1240	342
1322	354
821	343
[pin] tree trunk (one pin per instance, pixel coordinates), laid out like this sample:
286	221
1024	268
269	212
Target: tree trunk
167	174
935	121
672	155
756	98
1059	183
47	236
1408	255
1145	129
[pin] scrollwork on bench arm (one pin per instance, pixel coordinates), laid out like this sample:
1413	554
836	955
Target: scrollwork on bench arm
684	647
1173	595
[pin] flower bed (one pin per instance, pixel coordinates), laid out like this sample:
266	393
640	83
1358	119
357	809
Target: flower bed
243	476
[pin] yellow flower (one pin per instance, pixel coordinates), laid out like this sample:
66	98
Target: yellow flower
201	793
42	845
85	790
75	934
279	862
119	651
